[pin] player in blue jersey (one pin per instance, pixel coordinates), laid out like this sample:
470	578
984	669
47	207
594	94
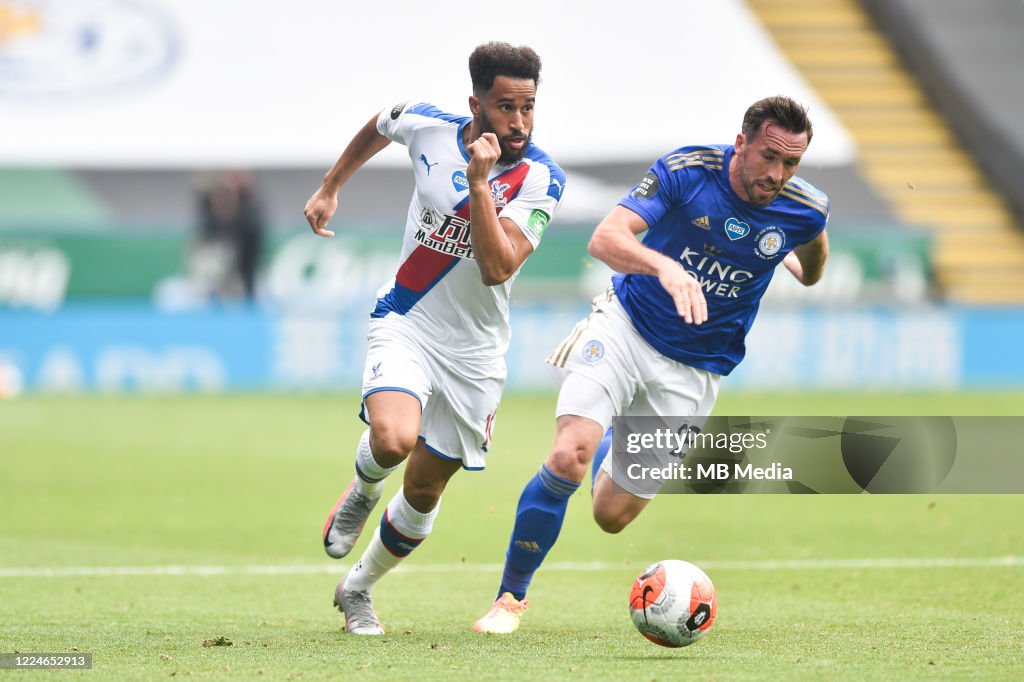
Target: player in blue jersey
718	220
438	333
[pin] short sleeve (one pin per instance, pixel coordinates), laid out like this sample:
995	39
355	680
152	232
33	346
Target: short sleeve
402	120
535	205
655	194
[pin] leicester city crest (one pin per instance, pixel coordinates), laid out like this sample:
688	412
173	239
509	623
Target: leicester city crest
593	351
770	241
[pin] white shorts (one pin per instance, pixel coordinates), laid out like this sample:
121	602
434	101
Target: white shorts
605	369
458	399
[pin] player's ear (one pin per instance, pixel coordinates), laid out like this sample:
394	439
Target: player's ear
474	105
740	141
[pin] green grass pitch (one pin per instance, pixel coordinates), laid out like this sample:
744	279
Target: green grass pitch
213	507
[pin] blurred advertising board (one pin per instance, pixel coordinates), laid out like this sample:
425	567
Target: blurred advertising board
45	271
121	348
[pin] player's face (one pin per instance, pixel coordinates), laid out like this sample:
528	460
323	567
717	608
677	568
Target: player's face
764	164
507	111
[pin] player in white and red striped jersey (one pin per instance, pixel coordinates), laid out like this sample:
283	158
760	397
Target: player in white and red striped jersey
435	365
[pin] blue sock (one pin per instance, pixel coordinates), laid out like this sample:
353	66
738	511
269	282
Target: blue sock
603	449
539	519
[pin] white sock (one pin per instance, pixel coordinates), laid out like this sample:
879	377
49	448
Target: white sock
408	521
368	468
406	529
372	566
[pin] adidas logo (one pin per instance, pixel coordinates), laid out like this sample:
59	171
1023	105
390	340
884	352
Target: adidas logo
703	222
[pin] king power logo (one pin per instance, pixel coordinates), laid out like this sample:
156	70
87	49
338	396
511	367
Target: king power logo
715	278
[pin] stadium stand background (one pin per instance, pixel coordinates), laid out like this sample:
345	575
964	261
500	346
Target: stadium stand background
94	242
928	91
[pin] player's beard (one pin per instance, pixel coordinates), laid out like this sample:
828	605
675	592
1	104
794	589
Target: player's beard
508	156
751	187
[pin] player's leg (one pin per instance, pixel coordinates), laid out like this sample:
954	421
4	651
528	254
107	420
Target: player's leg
455	427
543	502
395	390
541	509
406	522
614	508
672	390
391	437
594	366
539	516
603	448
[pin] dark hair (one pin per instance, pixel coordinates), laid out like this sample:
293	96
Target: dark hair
783	111
501	59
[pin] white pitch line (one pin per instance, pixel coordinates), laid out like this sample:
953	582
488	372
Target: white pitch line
565	566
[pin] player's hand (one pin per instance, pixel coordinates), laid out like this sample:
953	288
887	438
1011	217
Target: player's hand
319	209
483	154
685	291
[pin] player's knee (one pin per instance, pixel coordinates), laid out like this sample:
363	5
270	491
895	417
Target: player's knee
423	495
614	512
570	460
390	445
610	521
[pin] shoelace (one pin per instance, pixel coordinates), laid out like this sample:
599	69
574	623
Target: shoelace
354	506
511	605
359	611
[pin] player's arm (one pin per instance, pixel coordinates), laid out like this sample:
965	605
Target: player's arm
615	243
324	202
499	246
807	261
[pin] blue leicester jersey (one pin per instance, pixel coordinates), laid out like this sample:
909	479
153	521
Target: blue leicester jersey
730	246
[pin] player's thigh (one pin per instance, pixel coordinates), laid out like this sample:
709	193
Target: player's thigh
614	508
396	387
598	379
426	476
673	397
459	422
600	347
676	394
672	389
595	368
394	418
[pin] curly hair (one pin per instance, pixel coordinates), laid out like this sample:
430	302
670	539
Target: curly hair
785	112
501	59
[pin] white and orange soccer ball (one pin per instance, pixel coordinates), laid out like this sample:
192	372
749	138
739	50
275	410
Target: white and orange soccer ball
673	603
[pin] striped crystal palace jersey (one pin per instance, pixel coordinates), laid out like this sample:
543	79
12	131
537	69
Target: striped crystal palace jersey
729	245
438	288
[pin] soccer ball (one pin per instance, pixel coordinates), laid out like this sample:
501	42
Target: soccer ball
673	603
